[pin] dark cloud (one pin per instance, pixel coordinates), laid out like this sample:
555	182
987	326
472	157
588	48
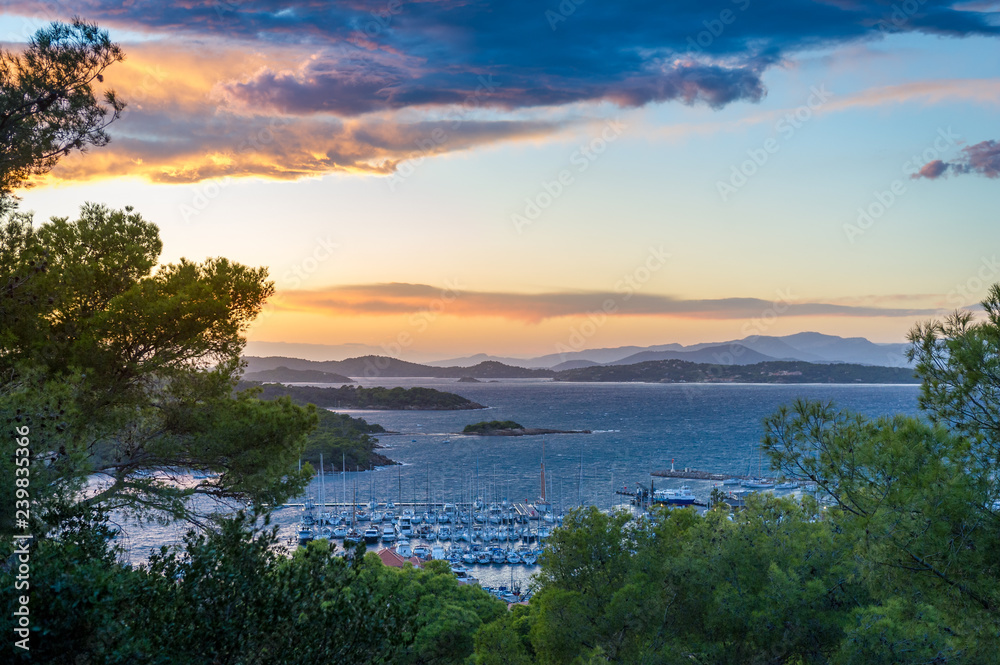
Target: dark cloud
980	159
173	148
370	55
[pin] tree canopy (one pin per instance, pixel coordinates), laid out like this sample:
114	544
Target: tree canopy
48	104
123	368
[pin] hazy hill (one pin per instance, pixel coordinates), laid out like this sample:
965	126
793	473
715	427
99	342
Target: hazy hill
479	358
383	366
775	347
574	364
729	354
849	349
807	346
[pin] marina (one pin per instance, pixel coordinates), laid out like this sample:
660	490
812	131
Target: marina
636	429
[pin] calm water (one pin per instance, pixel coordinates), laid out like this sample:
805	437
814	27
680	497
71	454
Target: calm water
637	428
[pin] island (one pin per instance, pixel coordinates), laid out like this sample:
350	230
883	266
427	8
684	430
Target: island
511	428
286	375
469	379
682	371
354	397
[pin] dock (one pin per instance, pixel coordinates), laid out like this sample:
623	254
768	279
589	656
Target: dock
695	474
520	507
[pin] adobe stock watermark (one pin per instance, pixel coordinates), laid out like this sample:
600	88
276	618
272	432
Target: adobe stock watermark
209	190
562	12
625	288
714	28
580	160
756	327
298	274
786	127
971	290
437	138
418	322
883	200
22	517
153	80
751	330
900	16
377	24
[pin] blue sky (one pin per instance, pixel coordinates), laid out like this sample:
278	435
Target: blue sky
272	134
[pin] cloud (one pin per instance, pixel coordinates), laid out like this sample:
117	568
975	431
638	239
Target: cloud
409	299
365	55
980	159
481	71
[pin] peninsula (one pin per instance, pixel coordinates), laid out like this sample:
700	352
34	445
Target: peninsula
382	399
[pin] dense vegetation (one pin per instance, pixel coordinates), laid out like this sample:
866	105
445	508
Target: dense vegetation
485	426
902	568
355	397
286	375
232	595
791	371
344	442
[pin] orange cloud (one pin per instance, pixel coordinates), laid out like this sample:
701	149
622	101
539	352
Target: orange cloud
181	126
417	299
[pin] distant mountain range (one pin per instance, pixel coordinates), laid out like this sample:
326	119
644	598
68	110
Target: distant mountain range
297	370
813	348
656	370
808	346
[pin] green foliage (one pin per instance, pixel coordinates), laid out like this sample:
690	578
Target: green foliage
898	632
444	615
909	495
120	368
355	397
48	105
76	585
958	362
486	427
343	441
770	586
233	595
506	641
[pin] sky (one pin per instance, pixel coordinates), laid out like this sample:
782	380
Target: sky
437	178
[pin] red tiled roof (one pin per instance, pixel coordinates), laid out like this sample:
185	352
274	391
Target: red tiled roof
392	558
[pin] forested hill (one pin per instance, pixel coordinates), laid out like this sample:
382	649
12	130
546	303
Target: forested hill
286	375
681	371
383	366
353	397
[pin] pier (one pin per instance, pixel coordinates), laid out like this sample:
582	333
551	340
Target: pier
519	507
695	474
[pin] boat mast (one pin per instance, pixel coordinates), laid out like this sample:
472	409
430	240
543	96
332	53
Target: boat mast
543	470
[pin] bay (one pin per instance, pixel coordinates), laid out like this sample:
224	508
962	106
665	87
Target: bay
636	428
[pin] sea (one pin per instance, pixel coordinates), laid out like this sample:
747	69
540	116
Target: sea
635	429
